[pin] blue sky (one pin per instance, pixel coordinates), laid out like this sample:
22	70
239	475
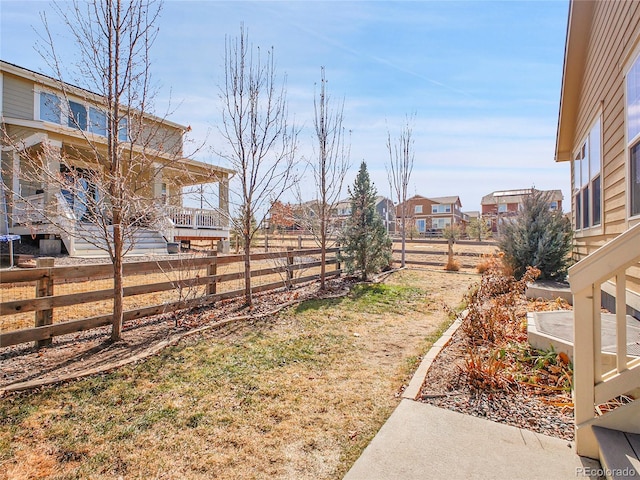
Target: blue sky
483	79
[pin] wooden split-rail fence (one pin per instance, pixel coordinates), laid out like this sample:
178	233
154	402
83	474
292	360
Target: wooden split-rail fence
199	276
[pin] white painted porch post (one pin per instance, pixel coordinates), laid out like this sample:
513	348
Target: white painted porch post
15	186
223	197
51	186
583	369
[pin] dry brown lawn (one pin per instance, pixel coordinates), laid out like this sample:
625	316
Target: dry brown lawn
296	396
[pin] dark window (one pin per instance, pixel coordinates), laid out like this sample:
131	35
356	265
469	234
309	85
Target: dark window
635	179
585	209
595	198
578	212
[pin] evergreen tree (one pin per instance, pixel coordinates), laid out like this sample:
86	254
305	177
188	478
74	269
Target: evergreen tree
538	237
366	244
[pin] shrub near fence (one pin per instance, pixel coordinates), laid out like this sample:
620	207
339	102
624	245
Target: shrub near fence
192	282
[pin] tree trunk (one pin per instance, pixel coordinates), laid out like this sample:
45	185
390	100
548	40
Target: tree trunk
404	233
247	271
118	291
323	253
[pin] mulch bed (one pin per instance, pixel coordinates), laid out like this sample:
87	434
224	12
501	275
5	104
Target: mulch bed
445	386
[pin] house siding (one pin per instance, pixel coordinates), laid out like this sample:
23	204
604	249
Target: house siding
615	26
17	97
160	137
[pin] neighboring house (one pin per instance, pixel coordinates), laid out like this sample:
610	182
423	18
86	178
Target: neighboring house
384	208
341	214
431	215
38	117
499	206
387	211
599	133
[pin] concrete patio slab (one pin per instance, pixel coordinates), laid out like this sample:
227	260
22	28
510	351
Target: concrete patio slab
559	325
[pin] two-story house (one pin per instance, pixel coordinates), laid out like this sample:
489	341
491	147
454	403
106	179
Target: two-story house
432	215
53	146
384	207
502	205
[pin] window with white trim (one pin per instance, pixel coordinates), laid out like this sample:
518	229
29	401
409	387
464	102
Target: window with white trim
421	225
417	209
123	130
633	134
97	121
440	223
502	208
50	107
587	185
76	114
442	208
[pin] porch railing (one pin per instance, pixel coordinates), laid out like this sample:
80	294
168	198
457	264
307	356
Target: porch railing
592	384
186	217
29	210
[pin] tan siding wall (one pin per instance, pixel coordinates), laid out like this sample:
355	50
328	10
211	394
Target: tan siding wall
614	28
615	25
160	137
17	97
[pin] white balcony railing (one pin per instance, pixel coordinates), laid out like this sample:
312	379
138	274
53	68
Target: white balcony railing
33	212
196	218
29	211
593	385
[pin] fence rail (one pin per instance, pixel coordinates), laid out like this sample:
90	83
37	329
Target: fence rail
200	276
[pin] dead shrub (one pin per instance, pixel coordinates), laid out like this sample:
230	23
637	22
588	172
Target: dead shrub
452	265
495	262
492	314
486	371
498	356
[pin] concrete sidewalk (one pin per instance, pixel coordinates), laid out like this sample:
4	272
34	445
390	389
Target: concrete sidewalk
420	441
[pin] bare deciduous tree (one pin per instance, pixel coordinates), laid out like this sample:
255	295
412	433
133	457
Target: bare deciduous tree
399	169
262	142
329	168
105	178
114	38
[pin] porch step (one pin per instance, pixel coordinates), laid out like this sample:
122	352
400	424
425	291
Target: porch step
619	453
145	242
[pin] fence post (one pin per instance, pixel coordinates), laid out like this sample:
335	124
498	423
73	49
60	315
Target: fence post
212	269
289	265
44	288
338	266
299	242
